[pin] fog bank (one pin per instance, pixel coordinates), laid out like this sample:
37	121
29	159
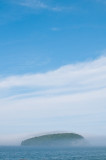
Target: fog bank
96	140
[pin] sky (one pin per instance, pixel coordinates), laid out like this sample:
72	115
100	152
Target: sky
52	68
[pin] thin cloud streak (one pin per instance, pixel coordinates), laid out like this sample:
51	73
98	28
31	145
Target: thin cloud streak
38	4
85	75
33	4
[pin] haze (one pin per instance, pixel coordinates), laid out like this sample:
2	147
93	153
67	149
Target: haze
52	68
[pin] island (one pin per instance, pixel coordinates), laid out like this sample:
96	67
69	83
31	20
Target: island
55	140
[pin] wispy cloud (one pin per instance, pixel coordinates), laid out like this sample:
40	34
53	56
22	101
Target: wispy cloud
33	4
78	76
62	8
73	95
39	4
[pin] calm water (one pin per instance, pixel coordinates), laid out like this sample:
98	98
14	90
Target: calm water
30	153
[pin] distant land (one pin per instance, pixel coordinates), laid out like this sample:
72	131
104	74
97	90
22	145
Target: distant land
55	140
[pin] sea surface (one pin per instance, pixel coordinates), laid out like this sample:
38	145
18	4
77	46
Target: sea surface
31	153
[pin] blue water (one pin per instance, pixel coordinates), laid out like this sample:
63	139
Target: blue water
31	153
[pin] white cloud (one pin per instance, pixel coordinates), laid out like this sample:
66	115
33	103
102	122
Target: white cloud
70	98
39	4
76	77
33	4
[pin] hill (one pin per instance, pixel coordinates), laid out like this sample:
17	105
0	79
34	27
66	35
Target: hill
55	140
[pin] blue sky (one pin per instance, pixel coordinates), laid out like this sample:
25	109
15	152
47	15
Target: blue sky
52	67
33	38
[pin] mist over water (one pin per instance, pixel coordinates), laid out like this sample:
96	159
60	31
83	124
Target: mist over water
97	141
94	149
88	141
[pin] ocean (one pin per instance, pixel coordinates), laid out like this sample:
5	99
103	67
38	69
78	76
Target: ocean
31	153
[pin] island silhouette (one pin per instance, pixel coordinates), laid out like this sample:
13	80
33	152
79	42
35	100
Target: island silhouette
55	140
